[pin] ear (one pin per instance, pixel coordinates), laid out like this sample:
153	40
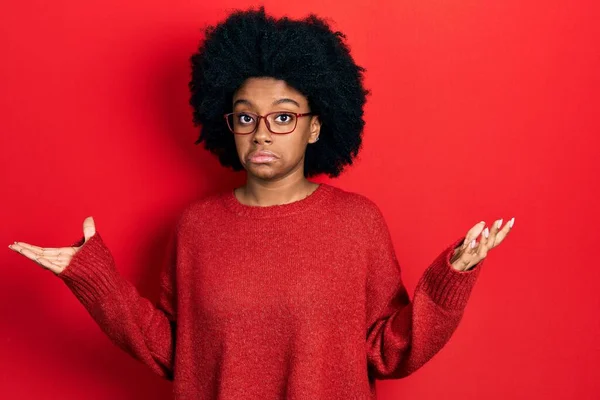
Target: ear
315	128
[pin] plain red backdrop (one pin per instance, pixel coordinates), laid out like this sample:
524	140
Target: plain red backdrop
479	110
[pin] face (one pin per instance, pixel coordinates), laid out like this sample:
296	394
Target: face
261	96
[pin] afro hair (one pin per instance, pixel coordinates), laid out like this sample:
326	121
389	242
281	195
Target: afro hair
307	55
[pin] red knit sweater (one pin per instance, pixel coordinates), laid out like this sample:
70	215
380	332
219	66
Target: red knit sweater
296	301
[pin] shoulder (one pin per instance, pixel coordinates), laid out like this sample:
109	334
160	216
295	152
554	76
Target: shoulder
357	204
199	209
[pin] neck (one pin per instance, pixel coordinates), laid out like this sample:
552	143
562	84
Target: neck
263	193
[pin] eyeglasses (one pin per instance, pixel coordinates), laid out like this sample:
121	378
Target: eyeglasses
279	122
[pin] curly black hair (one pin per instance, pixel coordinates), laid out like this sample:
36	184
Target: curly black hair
307	55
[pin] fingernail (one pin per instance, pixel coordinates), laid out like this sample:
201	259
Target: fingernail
473	243
499	223
486	232
512	222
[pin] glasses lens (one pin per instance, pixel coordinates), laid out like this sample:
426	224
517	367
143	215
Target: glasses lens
282	122
242	122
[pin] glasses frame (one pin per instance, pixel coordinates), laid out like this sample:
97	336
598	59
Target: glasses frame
259	117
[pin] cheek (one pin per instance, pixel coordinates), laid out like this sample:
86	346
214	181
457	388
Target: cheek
301	142
293	147
241	145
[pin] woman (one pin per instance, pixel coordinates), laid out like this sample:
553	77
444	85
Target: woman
281	288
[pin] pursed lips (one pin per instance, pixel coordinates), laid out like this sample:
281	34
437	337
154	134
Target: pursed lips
262	155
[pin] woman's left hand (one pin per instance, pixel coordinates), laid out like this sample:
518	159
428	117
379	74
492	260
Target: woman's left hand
471	252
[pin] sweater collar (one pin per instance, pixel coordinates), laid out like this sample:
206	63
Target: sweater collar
231	202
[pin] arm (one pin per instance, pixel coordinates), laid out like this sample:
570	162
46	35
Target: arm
403	335
132	322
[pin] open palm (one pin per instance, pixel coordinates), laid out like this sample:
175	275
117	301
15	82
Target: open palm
471	251
54	259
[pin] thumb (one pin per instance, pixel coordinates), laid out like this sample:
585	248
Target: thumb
89	229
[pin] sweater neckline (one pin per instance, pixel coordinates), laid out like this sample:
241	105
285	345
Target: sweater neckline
277	210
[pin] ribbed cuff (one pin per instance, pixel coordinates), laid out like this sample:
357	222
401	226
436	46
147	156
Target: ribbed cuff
91	274
446	286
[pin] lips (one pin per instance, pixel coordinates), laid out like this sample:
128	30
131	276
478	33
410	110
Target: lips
262	156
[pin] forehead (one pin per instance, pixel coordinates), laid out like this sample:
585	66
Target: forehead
265	90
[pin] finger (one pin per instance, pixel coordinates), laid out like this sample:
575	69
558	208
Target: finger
468	257
484	238
479	251
42	250
501	235
494	232
472	234
89	228
56	255
44	262
24	251
483	244
473	247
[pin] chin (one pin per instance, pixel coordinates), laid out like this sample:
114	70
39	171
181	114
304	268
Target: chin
262	171
265	175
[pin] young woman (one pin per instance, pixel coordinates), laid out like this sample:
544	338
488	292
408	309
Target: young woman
281	288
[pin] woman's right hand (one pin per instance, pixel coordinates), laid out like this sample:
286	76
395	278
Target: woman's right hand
54	259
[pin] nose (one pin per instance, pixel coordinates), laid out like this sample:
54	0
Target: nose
262	133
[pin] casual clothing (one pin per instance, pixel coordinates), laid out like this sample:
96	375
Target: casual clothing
298	301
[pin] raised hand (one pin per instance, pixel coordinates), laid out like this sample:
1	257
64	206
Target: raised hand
54	259
471	252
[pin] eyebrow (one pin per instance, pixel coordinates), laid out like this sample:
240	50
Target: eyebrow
276	102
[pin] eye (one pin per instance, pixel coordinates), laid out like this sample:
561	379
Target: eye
244	118
284	118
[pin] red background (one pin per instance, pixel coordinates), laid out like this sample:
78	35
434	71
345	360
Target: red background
479	110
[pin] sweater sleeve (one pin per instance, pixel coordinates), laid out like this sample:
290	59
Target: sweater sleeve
402	335
144	330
